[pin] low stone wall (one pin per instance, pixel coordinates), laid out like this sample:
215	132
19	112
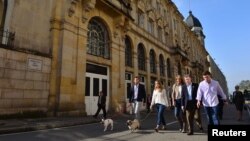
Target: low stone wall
24	82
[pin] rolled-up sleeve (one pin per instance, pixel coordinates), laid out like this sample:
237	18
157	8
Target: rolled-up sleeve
220	92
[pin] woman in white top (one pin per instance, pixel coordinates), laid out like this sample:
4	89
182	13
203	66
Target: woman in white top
161	101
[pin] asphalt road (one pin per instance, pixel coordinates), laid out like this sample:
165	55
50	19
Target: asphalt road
94	132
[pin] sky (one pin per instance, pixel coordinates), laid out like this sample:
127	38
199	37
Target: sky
226	25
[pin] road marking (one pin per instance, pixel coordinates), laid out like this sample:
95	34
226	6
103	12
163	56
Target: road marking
172	122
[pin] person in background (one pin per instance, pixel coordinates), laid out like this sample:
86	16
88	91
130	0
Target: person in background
238	100
160	99
208	92
101	105
220	107
149	97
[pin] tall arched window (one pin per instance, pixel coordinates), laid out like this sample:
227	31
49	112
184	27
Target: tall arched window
3	10
128	52
162	68
179	68
98	39
141	57
152	61
168	68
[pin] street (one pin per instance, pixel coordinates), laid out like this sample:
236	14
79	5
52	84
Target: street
94	132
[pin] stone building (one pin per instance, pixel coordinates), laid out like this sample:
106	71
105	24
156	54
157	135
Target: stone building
217	74
56	55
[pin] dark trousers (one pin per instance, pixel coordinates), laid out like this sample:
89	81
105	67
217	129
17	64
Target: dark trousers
190	111
220	110
103	108
192	114
197	117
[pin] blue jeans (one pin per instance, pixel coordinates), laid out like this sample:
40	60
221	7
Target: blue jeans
160	114
212	115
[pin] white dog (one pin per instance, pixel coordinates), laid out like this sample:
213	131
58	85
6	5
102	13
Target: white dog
106	123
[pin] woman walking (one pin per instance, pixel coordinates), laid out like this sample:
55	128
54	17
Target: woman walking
161	101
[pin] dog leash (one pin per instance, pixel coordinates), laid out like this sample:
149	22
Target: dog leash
146	116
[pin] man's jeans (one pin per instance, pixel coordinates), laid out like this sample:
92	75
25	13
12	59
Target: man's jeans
212	115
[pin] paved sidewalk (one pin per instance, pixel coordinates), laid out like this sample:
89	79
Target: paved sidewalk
24	125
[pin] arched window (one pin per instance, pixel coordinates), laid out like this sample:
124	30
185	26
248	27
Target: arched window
98	39
3	10
168	68
162	68
141	57
152	61
179	68
128	52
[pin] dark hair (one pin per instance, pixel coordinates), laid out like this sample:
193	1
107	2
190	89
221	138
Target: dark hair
137	77
237	87
206	73
187	75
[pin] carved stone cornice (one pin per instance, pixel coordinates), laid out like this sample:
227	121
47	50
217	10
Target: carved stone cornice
151	15
87	5
72	7
160	22
141	5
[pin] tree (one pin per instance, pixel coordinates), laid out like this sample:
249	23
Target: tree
244	85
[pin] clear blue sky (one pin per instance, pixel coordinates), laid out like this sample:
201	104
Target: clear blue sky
226	25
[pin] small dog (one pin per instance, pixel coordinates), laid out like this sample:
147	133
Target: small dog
133	124
106	123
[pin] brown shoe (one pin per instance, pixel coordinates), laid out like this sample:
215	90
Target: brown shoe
190	133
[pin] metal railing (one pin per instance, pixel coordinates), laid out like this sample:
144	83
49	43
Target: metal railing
7	38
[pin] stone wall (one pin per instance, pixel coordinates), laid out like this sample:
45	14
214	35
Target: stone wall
24	82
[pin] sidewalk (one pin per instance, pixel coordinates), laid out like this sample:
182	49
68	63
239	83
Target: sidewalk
24	125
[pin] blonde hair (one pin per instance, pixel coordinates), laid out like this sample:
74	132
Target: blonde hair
160	85
178	77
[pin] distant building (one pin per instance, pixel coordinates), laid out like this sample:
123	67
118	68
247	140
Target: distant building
56	56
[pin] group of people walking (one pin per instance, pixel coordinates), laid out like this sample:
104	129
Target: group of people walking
186	97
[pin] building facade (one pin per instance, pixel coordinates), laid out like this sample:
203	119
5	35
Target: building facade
217	74
56	55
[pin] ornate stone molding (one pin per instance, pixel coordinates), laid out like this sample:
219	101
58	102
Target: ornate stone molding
72	7
151	15
123	24
87	5
141	5
160	22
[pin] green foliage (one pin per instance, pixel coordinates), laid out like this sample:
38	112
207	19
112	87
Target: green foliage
245	85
